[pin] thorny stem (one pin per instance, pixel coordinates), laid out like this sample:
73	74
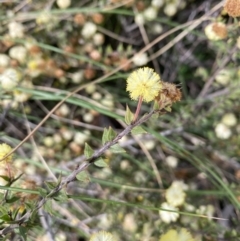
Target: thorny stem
79	168
138	109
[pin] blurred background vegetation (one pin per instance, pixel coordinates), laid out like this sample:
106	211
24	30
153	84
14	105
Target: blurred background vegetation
48	49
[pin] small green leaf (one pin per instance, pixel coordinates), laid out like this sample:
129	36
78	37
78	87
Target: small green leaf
13	199
111	134
15	213
154	117
61	196
138	130
23	232
168	108
120	48
101	163
43	192
128	116
83	177
59	179
3	209
6	178
48	207
109	50
51	185
29	205
5	218
108	135
117	149
88	151
104	136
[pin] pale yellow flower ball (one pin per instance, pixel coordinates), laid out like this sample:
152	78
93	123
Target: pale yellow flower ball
16	30
81	137
172	161
222	131
179	184
166	216
22	96
224	76
149	144
129	223
4	60
140	59
177	235
67	134
170	9
91	89
139	19
175	195
9	79
48	141
4	150
88	117
229	119
63	3
96	96
157	3
64	110
150	13
157	28
98	39
77	77
102	236
19	53
88	30
44	18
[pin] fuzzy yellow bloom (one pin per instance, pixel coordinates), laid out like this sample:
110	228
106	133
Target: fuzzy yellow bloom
144	83
170	235
175	196
173	235
4	150
102	236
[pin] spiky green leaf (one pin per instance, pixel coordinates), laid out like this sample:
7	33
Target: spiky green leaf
83	177
117	149
128	116
101	163
138	130
88	151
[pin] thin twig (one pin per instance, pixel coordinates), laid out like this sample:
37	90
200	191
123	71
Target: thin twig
79	168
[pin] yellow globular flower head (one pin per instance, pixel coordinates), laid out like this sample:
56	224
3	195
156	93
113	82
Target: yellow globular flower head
102	236
173	235
4	150
169	236
145	83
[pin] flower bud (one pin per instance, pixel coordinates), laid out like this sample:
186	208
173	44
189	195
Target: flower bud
9	79
19	53
63	3
16	30
89	29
